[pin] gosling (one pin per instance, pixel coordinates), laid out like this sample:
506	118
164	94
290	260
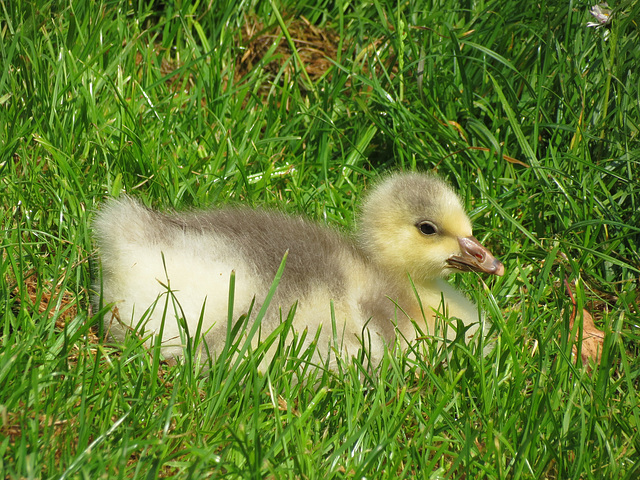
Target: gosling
412	233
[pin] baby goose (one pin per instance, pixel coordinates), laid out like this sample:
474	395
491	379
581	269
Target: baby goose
412	228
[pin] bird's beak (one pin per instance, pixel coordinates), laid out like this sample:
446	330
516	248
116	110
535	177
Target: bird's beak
475	258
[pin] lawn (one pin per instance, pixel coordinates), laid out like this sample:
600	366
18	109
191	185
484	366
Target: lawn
531	114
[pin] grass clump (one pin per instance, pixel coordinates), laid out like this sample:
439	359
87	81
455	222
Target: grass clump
532	115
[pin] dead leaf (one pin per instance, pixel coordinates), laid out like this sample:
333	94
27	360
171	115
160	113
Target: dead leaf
592	338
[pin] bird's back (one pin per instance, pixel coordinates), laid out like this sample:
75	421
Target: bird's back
147	254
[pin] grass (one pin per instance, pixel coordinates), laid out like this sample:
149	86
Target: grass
531	115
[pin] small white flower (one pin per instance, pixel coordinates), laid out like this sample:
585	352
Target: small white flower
602	14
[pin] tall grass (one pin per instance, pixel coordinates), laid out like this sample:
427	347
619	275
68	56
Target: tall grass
531	115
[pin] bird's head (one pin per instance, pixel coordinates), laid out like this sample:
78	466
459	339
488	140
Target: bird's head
414	223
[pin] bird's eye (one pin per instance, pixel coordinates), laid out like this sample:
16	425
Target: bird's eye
427	228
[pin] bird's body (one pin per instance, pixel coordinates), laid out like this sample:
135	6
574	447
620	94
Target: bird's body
367	280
